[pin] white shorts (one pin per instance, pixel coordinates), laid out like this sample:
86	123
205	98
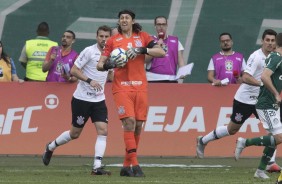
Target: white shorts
270	119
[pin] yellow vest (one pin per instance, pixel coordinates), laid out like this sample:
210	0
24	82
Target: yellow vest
5	71
36	50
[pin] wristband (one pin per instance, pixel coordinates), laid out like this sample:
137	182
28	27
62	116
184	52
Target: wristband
107	66
88	80
141	50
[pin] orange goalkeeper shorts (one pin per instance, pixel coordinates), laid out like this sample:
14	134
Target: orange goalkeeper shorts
132	104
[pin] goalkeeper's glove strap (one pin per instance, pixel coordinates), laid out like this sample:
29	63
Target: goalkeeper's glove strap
108	66
141	50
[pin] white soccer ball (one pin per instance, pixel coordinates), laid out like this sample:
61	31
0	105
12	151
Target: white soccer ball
119	51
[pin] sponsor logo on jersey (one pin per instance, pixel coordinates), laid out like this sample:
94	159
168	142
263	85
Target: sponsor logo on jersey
42	44
253	97
131	83
39	53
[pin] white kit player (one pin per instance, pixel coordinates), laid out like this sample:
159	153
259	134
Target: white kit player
245	100
88	101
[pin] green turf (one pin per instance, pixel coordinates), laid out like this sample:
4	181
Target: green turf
68	170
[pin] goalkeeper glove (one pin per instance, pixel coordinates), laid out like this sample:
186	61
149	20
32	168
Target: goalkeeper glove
116	62
133	52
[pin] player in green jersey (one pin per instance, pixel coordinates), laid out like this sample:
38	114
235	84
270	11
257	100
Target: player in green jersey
268	106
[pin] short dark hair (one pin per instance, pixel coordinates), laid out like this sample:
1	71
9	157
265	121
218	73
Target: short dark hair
279	39
104	28
268	32
222	34
129	12
161	16
71	32
43	29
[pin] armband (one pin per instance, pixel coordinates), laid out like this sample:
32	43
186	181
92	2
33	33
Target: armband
88	80
152	44
141	50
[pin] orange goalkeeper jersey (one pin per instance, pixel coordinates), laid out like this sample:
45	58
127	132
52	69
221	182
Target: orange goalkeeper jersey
132	77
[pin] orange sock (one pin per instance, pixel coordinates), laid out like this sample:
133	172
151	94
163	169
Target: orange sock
127	161
130	144
137	138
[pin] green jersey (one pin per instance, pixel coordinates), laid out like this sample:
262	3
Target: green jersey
266	100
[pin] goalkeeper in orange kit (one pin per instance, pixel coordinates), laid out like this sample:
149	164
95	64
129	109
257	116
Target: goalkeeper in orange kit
130	83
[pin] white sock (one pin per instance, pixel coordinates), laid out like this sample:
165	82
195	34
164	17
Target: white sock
273	156
100	148
218	133
62	139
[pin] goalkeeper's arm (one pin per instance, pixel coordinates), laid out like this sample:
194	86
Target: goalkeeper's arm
153	49
102	64
110	63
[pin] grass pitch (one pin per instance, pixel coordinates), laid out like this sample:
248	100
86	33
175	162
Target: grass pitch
167	170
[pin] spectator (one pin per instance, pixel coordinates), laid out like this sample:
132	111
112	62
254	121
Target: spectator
226	64
59	60
130	84
8	71
34	53
164	69
88	101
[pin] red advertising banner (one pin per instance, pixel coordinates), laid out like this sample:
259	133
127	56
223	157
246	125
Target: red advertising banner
33	114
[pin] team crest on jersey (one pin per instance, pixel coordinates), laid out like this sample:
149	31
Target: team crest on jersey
229	65
121	110
138	43
80	120
238	117
59	67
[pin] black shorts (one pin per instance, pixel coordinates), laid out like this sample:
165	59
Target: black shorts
82	110
241	112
